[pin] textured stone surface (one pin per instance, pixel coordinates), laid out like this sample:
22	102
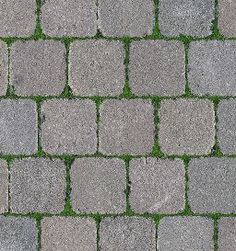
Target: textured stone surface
133	234
157	68
227	234
186	17
68	234
18	234
38	68
69	126
118	18
18	123
3	187
185	233
3	68
18	18
97	68
212	186
157	185
212	68
38	185
186	126
126	127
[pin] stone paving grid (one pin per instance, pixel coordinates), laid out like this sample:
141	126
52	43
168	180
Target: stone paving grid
218	33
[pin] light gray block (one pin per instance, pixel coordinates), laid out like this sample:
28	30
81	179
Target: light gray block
98	185
212	186
157	185
185	233
38	185
187	126
186	17
3	187
133	18
126	127
18	234
68	234
212	68
69	126
18	18
3	68
157	68
227	234
19	129
97	68
38	68
132	233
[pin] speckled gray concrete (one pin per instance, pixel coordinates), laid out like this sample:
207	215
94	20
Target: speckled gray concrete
97	68
157	185
185	233
69	126
127	233
126	127
212	68
18	234
4	187
187	126
18	122
212	186
3	68
157	68
38	185
68	234
38	68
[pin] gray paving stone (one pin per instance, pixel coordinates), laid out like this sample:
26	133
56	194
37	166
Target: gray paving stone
227	234
38	185
157	68
212	68
38	68
3	68
18	234
186	17
185	233
69	126
18	18
126	127
133	234
118	18
212	186
3	187
187	126
105	191
18	122
68	234
97	68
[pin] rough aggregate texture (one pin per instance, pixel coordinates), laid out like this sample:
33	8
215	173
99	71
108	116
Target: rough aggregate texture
3	68
4	186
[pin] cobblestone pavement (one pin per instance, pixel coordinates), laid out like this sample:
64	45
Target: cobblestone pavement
118	125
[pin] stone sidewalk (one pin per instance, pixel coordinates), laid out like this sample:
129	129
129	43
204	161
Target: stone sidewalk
118	125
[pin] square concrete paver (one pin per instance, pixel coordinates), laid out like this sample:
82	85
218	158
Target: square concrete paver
4	186
157	68
68	234
227	234
98	185
3	68
157	185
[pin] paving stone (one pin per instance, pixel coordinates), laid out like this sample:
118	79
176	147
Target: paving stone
212	186
186	17
212	68
38	185
18	122
69	126
118	18
187	126
18	234
3	187
126	127
133	234
105	191
227	234
157	185
38	68
68	234
185	233
227	18
97	68
3	68
157	68
18	18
